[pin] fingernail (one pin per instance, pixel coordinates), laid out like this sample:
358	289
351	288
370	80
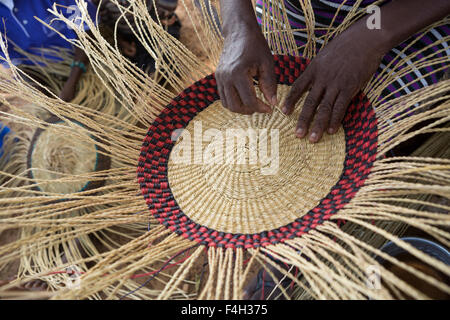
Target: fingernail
284	110
331	130
300	132
313	137
274	100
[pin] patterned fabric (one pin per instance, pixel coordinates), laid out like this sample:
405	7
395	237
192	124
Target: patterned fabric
361	136
21	28
4	130
325	10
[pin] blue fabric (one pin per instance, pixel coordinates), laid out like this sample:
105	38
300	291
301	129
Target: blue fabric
4	130
29	34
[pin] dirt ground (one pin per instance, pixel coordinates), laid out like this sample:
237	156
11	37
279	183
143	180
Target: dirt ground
188	36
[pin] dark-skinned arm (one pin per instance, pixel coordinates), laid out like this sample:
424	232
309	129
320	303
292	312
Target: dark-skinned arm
68	91
334	76
244	56
347	63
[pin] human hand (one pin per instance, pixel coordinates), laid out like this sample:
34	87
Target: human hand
339	71
246	55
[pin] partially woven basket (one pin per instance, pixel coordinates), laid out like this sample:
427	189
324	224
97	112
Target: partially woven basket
237	204
54	155
191	228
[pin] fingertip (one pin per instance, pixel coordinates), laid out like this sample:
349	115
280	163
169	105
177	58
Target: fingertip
332	130
264	108
287	110
267	109
314	137
300	132
268	86
274	100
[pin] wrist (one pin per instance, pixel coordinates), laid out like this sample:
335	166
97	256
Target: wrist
243	25
400	19
78	65
238	16
378	41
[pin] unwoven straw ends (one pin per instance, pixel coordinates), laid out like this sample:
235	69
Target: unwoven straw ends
332	259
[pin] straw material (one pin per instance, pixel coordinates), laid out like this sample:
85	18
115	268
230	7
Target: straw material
240	198
54	155
140	253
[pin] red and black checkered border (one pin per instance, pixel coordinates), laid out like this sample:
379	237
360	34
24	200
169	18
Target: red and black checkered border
361	136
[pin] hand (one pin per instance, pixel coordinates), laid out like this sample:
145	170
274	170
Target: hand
340	70
246	55
67	93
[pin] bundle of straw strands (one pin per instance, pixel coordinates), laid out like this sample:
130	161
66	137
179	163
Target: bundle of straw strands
127	237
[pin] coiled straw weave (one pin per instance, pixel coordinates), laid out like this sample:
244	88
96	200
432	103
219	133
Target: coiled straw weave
160	229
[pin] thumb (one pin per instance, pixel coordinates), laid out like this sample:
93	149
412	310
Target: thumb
268	83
